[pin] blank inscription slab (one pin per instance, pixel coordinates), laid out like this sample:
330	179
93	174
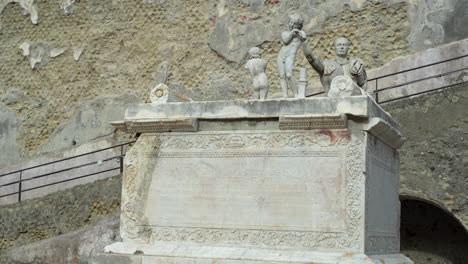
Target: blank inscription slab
261	189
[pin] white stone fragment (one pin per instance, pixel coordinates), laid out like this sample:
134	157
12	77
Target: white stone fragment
77	52
25	46
56	52
68	7
29	8
40	52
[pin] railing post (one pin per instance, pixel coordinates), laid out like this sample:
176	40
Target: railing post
20	182
376	90
121	159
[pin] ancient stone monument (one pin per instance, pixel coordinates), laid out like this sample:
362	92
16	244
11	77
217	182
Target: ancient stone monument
311	180
292	41
257	67
351	67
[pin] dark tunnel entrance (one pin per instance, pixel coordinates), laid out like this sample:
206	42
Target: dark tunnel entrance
430	235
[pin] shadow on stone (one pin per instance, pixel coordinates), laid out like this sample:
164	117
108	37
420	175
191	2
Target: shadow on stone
431	235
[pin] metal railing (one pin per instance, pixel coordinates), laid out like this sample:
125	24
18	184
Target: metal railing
20	182
376	80
378	90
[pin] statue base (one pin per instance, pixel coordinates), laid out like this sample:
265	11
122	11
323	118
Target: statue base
277	181
173	253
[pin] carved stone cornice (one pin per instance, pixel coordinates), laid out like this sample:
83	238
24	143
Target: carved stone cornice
385	132
312	121
158	125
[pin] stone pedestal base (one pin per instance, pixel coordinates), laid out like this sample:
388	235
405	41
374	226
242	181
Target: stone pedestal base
278	181
174	253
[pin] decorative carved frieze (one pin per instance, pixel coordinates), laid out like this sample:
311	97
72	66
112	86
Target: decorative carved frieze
305	122
133	223
253	140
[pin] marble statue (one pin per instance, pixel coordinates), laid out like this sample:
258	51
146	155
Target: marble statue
343	65
257	67
292	41
159	94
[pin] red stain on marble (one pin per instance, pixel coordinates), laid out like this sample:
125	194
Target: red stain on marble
329	133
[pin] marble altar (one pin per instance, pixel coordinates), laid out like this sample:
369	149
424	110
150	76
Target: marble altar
311	180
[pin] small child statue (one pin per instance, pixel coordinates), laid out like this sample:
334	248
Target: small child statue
257	67
292	41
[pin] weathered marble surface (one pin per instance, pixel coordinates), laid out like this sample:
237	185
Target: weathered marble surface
359	106
343	86
159	94
176	254
309	186
292	41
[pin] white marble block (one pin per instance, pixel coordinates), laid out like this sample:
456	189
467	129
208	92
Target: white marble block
277	181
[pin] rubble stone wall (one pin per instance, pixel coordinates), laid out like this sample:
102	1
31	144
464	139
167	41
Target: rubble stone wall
58	213
433	160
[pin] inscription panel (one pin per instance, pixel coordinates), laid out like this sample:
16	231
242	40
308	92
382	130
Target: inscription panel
263	189
293	177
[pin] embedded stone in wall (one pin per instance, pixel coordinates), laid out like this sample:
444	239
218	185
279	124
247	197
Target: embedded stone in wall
68	7
78	51
437	22
29	8
8	130
40	52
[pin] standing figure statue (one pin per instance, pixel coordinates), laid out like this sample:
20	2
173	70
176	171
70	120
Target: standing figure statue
292	41
342	65
257	67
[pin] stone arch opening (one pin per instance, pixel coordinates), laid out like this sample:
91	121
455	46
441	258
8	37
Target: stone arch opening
430	234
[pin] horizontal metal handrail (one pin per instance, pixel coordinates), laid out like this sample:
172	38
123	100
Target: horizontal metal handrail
423	92
417	68
419	80
59	171
54	183
82	165
69	158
